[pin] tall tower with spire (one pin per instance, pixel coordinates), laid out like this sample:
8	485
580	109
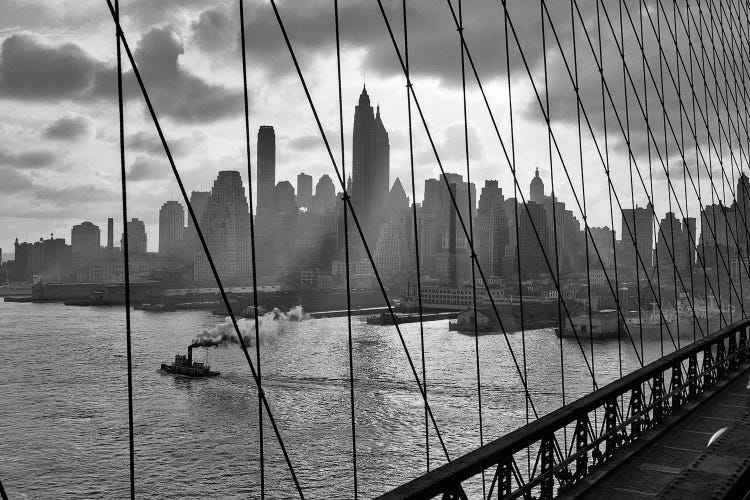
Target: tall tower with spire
537	189
370	166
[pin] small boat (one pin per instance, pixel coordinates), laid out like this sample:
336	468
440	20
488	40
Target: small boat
466	323
600	324
184	365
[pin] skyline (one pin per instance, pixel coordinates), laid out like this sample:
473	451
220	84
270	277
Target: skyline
59	154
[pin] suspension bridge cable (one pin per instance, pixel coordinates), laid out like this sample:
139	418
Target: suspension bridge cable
649	136
516	228
452	195
346	252
650	72
554	214
471	231
670	214
632	191
609	188
252	249
690	248
698	149
738	210
347	198
416	231
743	73
729	40
450	192
721	129
534	228
220	285
3	495
693	99
591	129
720	158
125	247
686	27
710	165
584	212
559	153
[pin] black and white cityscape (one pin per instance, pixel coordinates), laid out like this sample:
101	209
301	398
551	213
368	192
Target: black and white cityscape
300	243
390	249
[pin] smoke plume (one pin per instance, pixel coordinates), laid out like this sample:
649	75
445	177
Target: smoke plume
223	334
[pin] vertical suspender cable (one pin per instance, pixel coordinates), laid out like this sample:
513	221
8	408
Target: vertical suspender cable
654	232
609	186
346	251
515	214
690	247
698	170
710	168
252	249
473	256
201	237
632	190
125	249
357	224
416	231
731	163
735	67
583	186
554	210
733	160
720	158
670	244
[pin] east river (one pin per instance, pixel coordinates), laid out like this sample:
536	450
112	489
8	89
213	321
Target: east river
64	420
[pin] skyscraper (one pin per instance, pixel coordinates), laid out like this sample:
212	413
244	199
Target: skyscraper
198	201
110	234
171	228
137	241
284	200
637	227
226	227
536	192
491	232
304	191
370	166
266	173
85	241
324	200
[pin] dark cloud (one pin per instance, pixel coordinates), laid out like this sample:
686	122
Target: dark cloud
69	128
174	90
215	30
31	69
34	70
433	40
145	168
29	159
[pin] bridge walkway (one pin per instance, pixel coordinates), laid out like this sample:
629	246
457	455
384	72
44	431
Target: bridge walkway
675	461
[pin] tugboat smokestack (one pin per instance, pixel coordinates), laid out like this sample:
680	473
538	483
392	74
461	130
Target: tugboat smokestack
190	355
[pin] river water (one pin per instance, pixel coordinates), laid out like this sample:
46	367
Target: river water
63	402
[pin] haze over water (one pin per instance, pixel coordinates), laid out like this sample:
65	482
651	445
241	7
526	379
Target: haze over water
63	416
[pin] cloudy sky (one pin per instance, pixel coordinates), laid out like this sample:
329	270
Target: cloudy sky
59	161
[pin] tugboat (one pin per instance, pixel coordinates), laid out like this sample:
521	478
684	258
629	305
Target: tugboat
184	365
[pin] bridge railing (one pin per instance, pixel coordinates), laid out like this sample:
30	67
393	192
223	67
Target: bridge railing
568	444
